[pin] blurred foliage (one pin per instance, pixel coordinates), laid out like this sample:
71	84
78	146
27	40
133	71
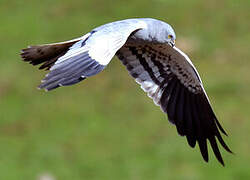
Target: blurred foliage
106	127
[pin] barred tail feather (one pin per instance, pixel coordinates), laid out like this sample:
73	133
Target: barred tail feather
46	54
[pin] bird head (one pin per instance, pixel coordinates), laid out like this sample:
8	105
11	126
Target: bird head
171	40
170	35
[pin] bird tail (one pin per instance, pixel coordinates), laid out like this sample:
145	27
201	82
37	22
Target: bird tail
46	54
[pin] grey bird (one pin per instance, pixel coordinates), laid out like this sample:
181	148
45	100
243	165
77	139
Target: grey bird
147	48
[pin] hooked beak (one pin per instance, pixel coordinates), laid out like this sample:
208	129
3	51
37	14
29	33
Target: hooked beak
172	43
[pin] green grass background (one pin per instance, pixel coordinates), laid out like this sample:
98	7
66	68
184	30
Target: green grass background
106	127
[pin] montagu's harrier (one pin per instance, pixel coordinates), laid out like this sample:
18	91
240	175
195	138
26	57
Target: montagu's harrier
147	48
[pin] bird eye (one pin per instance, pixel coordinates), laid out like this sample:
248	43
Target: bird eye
170	36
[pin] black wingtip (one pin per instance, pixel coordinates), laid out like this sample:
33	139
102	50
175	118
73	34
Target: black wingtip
203	149
191	141
224	145
215	149
220	127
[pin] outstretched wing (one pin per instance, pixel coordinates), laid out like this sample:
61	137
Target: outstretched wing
87	57
170	79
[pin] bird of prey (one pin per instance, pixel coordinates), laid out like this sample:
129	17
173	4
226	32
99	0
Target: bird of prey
147	48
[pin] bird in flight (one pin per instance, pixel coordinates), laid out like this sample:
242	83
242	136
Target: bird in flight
147	48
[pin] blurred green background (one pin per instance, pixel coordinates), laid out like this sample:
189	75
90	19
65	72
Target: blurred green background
106	127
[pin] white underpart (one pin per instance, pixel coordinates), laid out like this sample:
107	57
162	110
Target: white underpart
153	90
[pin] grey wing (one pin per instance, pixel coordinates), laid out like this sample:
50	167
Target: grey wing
90	55
170	79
